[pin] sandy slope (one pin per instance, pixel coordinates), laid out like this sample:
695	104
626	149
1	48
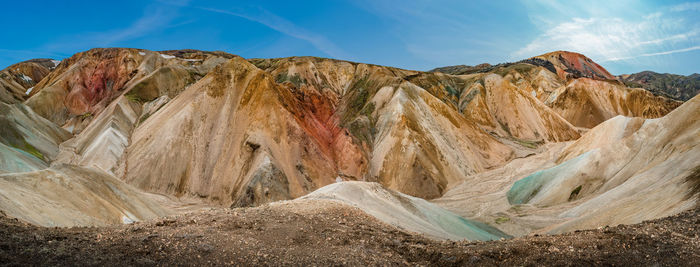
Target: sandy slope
66	195
405	212
27	141
625	170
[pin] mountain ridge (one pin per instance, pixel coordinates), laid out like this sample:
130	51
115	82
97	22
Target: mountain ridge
220	130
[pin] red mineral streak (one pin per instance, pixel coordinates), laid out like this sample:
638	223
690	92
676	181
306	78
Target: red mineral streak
575	62
316	113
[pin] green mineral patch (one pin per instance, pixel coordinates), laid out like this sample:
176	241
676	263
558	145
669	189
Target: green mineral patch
452	91
32	150
501	220
505	127
85	115
295	79
360	93
357	116
470	96
134	98
527	143
521	68
143	118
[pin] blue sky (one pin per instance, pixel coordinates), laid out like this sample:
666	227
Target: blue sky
623	36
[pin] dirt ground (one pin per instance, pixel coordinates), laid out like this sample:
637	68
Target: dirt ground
327	233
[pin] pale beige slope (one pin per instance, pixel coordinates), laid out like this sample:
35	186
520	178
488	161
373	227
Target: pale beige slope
66	195
625	170
228	138
30	135
521	115
641	176
482	196
16	160
403	211
422	146
586	103
102	144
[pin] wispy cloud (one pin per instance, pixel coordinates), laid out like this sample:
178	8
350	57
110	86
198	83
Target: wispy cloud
688	49
609	37
453	32
681	36
158	19
155	17
686	7
286	27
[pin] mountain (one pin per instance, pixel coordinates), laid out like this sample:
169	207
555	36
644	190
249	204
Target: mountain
567	65
461	69
87	82
479	153
577	89
17	81
570	65
625	170
28	141
673	86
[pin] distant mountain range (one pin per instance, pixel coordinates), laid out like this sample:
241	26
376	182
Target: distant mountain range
673	86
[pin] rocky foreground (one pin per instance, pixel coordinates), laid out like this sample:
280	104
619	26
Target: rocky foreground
324	232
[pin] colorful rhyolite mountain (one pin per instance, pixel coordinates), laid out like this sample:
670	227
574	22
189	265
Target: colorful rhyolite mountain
135	133
17	81
673	86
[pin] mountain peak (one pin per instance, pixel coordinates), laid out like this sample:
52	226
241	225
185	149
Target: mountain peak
576	65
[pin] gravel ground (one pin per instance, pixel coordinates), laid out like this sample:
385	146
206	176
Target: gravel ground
327	233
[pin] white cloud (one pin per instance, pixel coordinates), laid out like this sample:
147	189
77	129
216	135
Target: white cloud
149	22
616	38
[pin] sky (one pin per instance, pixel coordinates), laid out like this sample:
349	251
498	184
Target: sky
623	36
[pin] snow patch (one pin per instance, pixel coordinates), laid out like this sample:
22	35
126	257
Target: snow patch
127	220
29	90
167	56
338	179
69	128
55	62
143	54
533	93
192	59
25	78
